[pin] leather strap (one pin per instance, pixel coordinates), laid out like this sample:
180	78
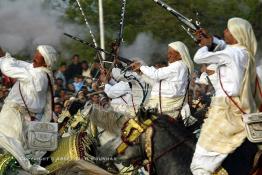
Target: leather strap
52	95
32	118
123	99
160	101
258	86
52	98
230	97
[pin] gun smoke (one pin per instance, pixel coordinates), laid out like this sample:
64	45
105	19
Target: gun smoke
146	49
28	23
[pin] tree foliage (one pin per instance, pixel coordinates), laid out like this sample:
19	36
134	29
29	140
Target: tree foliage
147	16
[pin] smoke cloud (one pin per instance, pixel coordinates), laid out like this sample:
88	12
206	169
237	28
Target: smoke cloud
24	24
146	49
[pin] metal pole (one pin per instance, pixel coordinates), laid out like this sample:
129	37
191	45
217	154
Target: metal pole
101	27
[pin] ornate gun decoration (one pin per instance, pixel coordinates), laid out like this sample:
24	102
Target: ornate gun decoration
189	26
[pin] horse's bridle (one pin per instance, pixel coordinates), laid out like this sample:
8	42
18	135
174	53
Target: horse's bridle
150	157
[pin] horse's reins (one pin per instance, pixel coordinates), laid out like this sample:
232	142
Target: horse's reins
175	145
160	101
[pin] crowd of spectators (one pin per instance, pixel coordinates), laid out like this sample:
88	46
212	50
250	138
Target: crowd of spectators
78	79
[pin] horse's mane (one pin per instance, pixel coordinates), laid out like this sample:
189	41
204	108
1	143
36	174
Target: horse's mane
175	128
108	119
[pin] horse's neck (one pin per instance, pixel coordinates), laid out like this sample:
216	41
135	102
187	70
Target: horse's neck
105	136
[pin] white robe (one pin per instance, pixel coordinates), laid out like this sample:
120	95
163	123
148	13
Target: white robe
233	61
174	79
14	117
121	96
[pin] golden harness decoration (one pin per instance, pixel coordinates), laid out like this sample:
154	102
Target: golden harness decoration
5	161
131	131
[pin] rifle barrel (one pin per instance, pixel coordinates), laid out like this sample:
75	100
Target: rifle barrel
125	60
179	16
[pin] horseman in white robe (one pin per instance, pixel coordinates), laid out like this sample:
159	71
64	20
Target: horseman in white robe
32	84
171	82
121	96
128	90
223	130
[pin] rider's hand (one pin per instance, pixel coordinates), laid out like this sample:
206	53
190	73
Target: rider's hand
104	79
95	86
203	38
136	66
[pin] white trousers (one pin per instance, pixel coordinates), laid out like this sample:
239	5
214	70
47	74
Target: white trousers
12	138
206	162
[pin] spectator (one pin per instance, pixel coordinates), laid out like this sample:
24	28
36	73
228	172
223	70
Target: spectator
60	83
74	68
63	95
95	99
95	69
85	69
61	73
78	83
56	90
58	107
70	88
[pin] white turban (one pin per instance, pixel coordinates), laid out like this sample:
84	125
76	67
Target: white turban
242	31
116	74
183	51
212	67
202	79
49	54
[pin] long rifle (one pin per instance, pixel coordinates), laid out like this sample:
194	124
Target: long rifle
121	27
190	26
116	45
125	60
90	31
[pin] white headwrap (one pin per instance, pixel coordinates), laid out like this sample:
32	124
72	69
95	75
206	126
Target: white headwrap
212	67
242	31
183	51
49	54
116	74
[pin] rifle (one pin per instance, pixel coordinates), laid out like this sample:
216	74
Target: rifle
117	43
122	59
190	28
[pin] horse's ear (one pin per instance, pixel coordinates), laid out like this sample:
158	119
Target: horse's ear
142	114
74	107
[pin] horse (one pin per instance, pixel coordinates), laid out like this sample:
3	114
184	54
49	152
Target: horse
173	146
74	156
